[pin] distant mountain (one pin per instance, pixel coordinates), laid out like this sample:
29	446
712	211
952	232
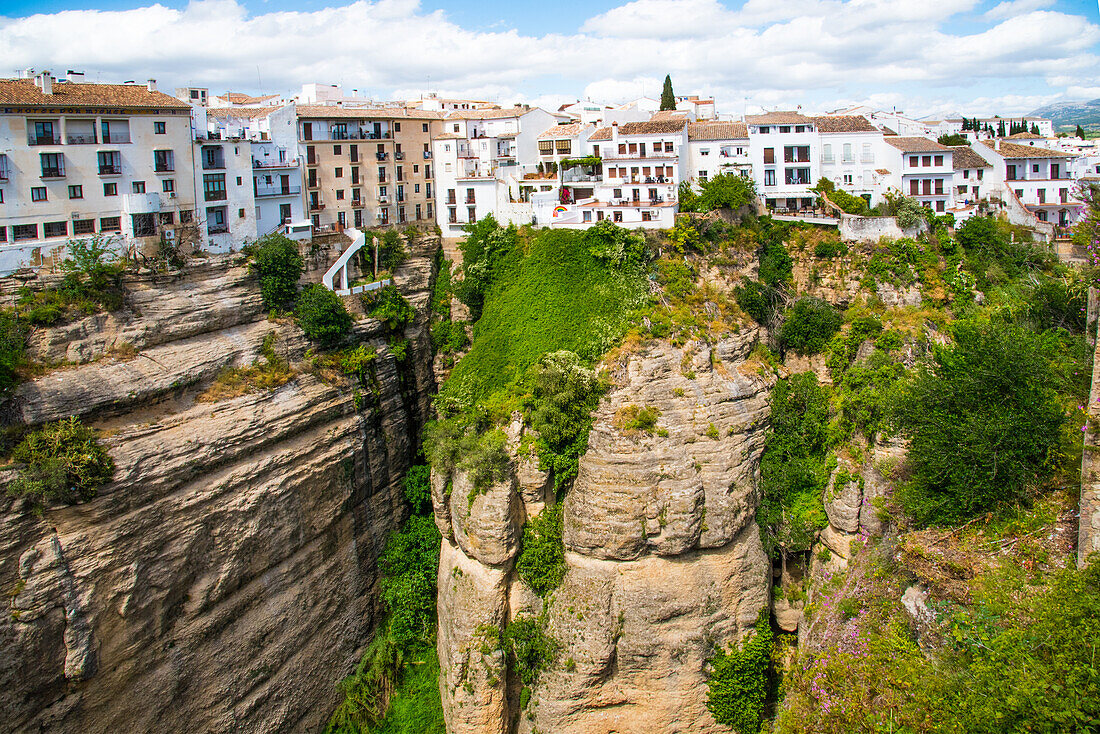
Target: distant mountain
1072	114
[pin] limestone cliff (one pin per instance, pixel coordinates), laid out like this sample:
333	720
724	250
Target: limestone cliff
664	557
224	581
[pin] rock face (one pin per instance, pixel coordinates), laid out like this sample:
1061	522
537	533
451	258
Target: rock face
664	558
1089	530
225	580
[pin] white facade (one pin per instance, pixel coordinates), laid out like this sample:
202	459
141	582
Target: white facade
784	149
1042	180
715	148
853	156
224	191
922	169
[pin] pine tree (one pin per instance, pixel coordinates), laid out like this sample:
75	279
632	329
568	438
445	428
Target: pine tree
1001	129
1035	129
668	99
1080	132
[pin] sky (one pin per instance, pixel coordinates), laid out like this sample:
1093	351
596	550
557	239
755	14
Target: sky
923	57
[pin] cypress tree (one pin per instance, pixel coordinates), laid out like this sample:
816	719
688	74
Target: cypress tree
1080	132
668	99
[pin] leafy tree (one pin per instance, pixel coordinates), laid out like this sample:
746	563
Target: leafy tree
687	198
276	260
541	562
63	461
13	340
738	683
954	139
809	325
983	419
727	191
389	306
409	579
668	99
755	299
392	252
611	243
485	246
322	315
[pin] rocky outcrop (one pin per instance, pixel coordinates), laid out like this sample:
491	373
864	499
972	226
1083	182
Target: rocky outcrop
664	557
226	578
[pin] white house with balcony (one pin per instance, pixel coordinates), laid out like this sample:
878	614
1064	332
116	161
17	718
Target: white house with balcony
564	143
226	200
852	155
716	147
783	148
973	180
1039	178
78	160
922	169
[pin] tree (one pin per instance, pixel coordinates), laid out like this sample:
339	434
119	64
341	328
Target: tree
983	422
392	251
668	99
276	260
1080	132
322	315
809	325
485	246
954	139
1001	129
726	191
738	684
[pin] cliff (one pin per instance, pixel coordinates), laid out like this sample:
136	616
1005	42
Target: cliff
226	578
664	559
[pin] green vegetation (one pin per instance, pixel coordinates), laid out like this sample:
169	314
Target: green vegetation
62	462
541	562
275	259
484	249
389	306
737	685
809	325
448	336
529	649
392	251
394	688
91	284
952	139
322	315
668	97
274	371
13	340
849	203
724	191
632	419
984	421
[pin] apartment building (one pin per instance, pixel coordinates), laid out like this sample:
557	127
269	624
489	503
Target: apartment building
786	164
560	144
852	156
923	169
972	175
1040	178
716	147
81	159
367	166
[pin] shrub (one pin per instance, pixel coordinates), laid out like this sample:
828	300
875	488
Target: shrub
63	462
630	419
726	191
753	298
276	260
485	247
486	460
983	419
738	683
541	562
418	489
409	566
830	248
359	362
809	325
612	244
776	266
389	306
322	315
13	339
530	650
391	251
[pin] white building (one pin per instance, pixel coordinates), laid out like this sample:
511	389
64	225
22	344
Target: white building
783	147
972	179
227	205
80	159
1041	179
697	108
922	169
558	144
716	147
853	156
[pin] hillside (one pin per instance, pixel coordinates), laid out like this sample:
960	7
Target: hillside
1066	116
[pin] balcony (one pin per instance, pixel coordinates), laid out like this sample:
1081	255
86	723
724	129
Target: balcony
261	191
382	178
427	155
640	155
44	140
214	196
383	199
641	180
257	163
451	201
116	138
53	173
165	168
381	155
316	206
81	139
111	170
397	156
218	229
470	200
4	174
213	165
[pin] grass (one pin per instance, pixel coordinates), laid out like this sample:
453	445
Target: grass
231	382
556	296
415	706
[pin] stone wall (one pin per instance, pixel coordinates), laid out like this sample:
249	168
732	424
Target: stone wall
226	579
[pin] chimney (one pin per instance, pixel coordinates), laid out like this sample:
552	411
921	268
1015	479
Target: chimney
614	131
44	81
151	85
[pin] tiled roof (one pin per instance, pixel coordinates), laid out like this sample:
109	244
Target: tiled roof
778	118
324	112
883	171
650	127
236	113
448	136
133	96
1024	136
563	131
717	130
916	145
244	99
668	115
488	114
1015	150
887	131
965	157
844	124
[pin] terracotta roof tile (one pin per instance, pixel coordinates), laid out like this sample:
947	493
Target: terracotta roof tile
236	113
916	145
717	130
1015	150
323	112
788	117
844	124
668	115
965	157
563	131
650	127
245	99
24	92
488	114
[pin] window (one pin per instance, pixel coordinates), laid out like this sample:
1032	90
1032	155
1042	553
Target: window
938	160
827	153
848	156
158	128
769	156
801	153
703	176
418	212
966	173
1034	167
429	210
456	127
216	220
139	187
76	192
704	151
24	232
338	172
1042	196
397	127
185	216
926	161
416	190
337	149
914	187
339	194
110	162
110	189
769	177
168	185
240	214
167	218
471	214
939	206
84	226
3	234
163	161
213	185
546	147
38	193
424	127
144	224
784	128
847	179
796	176
53	165
55	229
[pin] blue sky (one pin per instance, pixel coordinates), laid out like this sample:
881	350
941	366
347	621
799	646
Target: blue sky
923	56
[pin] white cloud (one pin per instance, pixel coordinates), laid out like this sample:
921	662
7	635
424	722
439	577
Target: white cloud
765	52
1011	8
